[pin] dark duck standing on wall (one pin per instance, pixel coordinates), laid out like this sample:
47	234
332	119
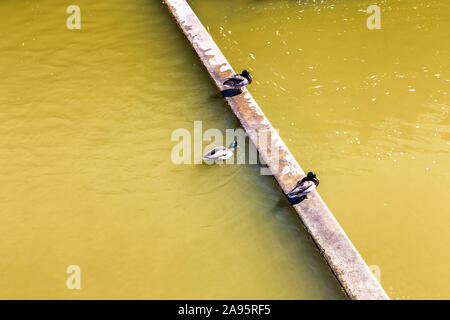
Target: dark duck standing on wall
238	81
302	188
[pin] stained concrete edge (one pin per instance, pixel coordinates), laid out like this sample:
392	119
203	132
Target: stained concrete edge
346	263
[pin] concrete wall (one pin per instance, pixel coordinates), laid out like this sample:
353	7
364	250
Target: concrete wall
344	260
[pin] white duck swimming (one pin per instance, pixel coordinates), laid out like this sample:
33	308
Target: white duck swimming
221	153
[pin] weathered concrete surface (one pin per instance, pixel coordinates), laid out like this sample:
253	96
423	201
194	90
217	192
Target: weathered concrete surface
344	260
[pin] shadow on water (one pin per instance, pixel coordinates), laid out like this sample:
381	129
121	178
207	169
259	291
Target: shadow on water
282	217
216	96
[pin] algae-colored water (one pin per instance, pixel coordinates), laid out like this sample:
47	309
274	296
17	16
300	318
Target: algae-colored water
85	151
87	178
368	110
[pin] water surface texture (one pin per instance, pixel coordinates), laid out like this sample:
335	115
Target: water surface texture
368	110
86	173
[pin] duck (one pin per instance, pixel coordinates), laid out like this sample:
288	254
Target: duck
238	80
302	188
221	153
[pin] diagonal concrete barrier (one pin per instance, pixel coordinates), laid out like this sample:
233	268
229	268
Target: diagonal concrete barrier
344	260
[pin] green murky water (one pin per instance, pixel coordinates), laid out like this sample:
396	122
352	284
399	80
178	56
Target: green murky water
368	110
87	178
86	174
